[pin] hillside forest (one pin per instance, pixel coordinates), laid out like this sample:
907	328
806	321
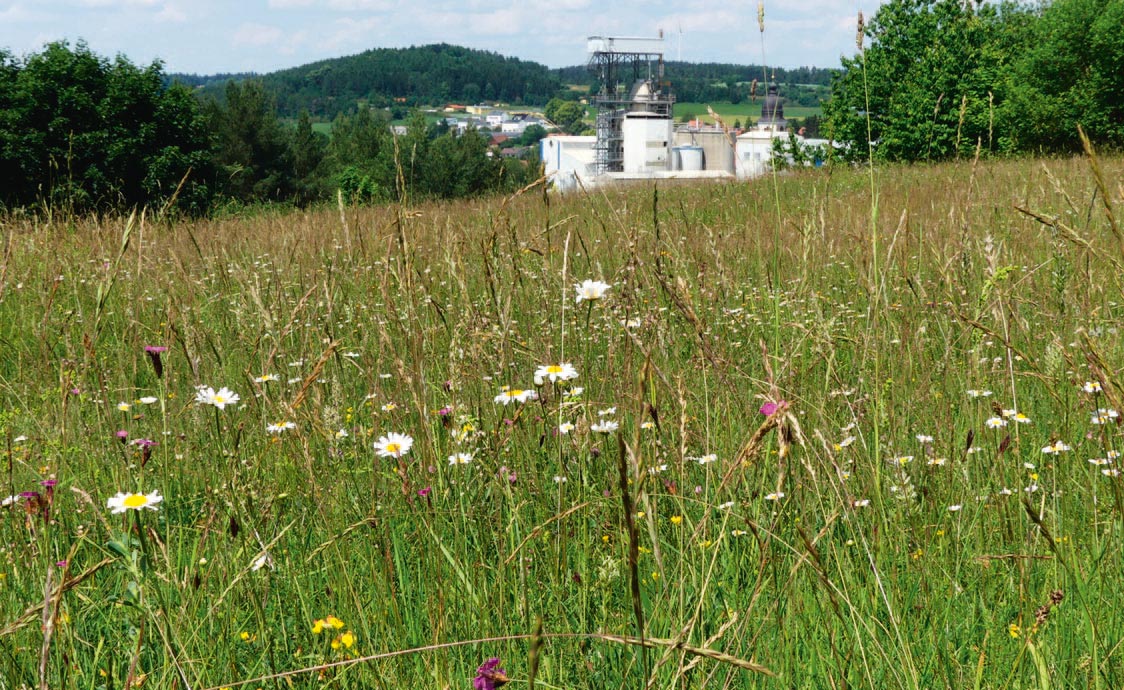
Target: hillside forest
929	80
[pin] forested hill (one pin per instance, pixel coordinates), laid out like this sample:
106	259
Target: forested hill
431	74
716	81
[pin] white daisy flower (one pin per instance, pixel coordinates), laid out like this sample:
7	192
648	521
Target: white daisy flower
123	501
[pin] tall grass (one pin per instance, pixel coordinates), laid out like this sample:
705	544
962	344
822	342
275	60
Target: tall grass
779	555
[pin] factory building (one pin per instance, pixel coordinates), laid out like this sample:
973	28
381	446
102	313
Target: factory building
636	137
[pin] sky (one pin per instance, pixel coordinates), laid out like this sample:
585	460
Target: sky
214	36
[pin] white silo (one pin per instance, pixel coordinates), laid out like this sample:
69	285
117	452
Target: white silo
647	142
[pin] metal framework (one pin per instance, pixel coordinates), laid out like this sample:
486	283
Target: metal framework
624	68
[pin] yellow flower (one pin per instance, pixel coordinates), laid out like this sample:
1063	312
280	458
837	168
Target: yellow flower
334	622
317	627
345	640
1013	630
676	519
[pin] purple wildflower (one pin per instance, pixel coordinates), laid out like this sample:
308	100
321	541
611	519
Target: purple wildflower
122	436
153	352
770	408
489	676
424	493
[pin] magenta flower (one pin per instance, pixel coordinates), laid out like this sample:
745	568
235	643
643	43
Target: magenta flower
123	436
424	493
770	407
489	676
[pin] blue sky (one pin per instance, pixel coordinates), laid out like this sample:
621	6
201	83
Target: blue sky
209	36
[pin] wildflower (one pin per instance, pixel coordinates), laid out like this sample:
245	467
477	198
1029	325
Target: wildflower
738	532
1100	461
955	508
1055	448
707	459
775	496
1021	418
424	493
1013	630
460	459
860	503
647	425
153	352
1110	472
976	393
559	479
557	372
122	435
206	395
996	423
508	395
1008	413
266	378
10	500
261	561
591	290
346	640
147	400
565	427
574	392
676	519
606	426
937	461
122	502
1104	416
341	434
769	408
390	407
490	676
1005	492
280	427
607	412
726	506
903	459
922	438
846	442
1092	387
393	445
123	406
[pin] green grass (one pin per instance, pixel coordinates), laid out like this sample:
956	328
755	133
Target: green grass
744	111
410	320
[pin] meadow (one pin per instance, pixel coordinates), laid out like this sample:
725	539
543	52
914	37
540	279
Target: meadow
747	112
806	437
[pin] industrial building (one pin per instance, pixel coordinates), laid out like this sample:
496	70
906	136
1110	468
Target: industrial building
636	136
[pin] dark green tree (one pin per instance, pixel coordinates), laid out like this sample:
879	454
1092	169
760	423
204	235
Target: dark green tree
307	150
567	115
935	71
1070	72
252	148
81	133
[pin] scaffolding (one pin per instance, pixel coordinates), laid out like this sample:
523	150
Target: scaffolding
631	76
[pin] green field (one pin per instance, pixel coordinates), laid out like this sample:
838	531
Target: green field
744	111
813	441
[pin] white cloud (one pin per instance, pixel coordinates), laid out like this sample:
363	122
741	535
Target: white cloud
120	4
171	13
257	35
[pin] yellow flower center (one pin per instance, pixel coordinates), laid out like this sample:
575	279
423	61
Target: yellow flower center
219	400
135	501
393	447
554	369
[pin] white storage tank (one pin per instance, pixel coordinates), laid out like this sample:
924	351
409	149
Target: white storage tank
647	142
690	158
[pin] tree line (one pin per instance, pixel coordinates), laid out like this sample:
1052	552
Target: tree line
939	79
82	133
401	78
